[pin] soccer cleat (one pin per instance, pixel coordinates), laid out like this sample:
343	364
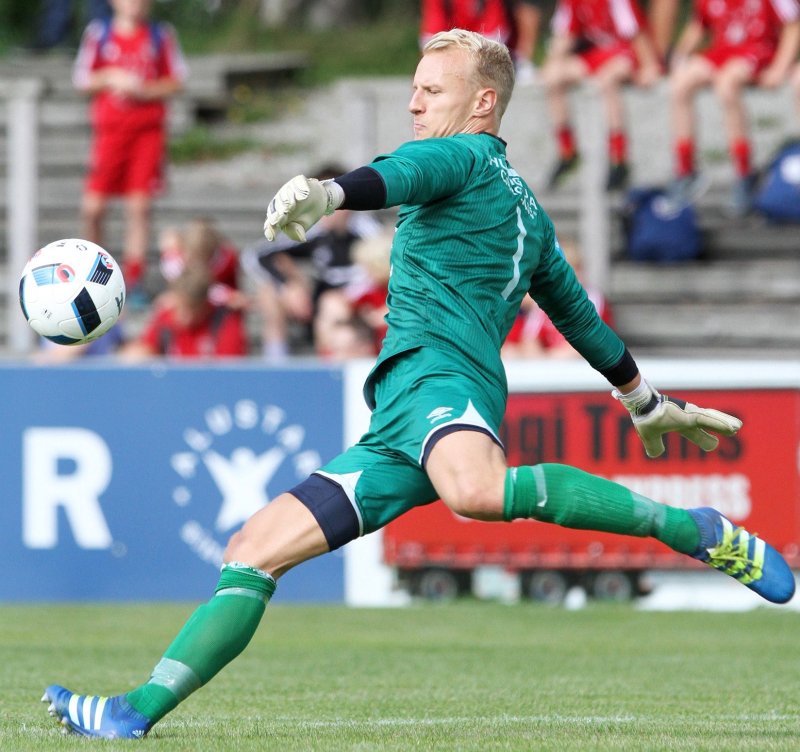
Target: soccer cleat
564	167
741	200
687	189
618	174
89	715
525	73
742	555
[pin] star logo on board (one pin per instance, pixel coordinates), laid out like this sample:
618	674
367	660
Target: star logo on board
234	461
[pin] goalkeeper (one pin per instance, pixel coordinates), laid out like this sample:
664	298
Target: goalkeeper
471	241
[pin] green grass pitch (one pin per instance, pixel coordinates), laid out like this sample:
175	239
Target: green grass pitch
465	676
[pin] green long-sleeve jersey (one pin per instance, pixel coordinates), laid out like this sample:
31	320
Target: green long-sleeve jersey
471	240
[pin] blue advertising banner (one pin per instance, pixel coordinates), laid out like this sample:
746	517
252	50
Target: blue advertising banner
124	483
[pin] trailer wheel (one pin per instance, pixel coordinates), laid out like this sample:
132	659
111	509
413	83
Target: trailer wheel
437	584
613	585
547	586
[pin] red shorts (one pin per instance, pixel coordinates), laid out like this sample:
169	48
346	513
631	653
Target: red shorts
124	162
758	56
596	57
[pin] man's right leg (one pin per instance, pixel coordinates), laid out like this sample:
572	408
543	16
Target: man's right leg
276	538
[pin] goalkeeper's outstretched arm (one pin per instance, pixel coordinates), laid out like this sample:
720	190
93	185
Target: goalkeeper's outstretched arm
302	202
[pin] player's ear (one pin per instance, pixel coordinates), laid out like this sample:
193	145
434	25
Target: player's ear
485	102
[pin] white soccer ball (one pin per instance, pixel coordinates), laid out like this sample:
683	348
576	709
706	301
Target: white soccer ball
71	291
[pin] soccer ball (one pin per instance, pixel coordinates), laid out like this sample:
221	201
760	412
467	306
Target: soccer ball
71	291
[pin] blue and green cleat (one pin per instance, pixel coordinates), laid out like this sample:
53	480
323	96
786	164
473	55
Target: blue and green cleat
89	715
742	555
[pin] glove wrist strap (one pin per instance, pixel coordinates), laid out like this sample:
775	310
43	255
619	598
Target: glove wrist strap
640	401
335	194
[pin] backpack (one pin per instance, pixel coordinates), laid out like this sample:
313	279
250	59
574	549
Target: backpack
778	193
659	229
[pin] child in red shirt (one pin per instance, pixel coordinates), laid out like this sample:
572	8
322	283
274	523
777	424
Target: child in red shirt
186	324
492	18
749	42
129	66
607	40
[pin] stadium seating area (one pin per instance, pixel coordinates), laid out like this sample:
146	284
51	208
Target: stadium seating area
741	297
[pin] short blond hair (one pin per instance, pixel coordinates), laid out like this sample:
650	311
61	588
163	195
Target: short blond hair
491	60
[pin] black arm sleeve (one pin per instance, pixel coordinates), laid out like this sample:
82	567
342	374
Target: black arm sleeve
363	188
624	371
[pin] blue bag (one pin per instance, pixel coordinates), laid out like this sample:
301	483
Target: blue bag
657	228
778	192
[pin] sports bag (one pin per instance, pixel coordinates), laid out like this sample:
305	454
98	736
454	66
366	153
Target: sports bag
657	228
778	192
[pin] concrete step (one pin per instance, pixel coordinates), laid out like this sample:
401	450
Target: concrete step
701	324
764	280
753	240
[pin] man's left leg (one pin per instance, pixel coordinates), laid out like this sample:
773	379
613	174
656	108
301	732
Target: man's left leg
572	498
468	470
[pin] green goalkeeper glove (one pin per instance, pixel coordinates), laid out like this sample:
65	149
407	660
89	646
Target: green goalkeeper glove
300	204
655	414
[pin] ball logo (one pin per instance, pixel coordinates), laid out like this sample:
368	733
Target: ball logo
65	273
232	465
105	260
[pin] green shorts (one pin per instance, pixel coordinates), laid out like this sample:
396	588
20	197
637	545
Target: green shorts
420	395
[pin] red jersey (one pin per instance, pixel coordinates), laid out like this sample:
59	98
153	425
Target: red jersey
221	333
492	18
151	52
735	23
602	23
534	324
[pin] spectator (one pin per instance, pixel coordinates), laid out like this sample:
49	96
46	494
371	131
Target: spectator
662	18
129	66
492	18
795	83
534	335
339	332
290	277
748	43
199	242
55	21
350	320
515	23
186	324
51	354
608	41
528	21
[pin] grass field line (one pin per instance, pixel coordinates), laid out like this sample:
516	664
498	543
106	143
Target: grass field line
586	720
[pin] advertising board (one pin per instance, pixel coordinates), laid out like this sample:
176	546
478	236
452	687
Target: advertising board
125	483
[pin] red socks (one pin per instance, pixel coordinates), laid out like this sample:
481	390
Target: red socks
566	142
684	154
741	155
133	271
617	147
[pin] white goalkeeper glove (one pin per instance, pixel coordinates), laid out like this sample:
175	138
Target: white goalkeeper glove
300	204
655	414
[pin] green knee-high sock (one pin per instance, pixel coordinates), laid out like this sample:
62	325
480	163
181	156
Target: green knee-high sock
572	498
212	637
